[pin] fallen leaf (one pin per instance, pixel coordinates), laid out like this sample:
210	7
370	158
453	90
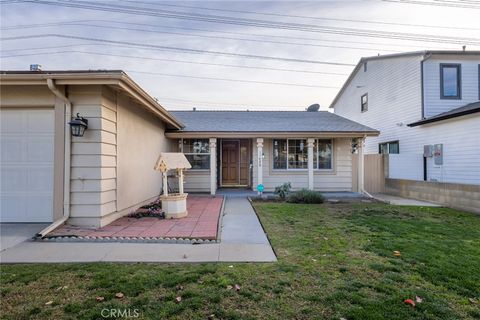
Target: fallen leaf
237	287
48	303
100	299
119	295
325	238
396	253
211	316
314	260
229	287
418	299
410	302
473	300
178	299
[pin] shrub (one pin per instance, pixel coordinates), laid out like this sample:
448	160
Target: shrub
283	190
306	196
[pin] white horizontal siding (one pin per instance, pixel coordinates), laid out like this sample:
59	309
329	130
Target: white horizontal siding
394	99
469	84
390	113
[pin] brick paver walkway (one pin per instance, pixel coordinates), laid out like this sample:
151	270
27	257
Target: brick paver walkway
201	223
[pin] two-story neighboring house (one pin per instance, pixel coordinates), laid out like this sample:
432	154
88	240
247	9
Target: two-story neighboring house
426	106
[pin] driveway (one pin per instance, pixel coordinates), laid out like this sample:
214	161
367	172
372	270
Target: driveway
12	234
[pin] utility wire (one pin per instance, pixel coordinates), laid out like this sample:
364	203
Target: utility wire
229	54
450	4
171	60
97	6
212	31
230	80
230	38
302	17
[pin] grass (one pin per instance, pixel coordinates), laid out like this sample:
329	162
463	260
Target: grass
335	261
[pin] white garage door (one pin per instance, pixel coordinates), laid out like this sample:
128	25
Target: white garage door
26	165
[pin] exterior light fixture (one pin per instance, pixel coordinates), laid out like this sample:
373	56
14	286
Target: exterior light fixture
78	126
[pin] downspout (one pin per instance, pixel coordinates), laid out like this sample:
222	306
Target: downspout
67	153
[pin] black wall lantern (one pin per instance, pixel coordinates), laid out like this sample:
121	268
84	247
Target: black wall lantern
78	126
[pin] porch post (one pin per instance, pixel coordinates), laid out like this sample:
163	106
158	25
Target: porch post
260	160
310	142
361	170
213	165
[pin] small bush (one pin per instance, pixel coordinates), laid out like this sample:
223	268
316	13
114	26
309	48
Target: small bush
306	196
283	190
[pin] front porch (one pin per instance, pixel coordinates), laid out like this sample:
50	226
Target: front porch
202	222
321	163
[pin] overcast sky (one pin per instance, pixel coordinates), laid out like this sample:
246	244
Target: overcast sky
166	73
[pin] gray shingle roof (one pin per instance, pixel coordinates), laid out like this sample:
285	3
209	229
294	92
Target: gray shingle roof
266	121
457	112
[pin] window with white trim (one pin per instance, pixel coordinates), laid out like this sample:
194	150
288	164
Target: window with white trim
197	151
292	154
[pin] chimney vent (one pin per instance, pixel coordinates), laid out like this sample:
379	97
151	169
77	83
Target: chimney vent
35	67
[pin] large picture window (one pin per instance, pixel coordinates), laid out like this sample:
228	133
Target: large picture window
450	81
197	151
292	154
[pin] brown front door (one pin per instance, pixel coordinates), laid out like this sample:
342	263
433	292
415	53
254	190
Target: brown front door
230	162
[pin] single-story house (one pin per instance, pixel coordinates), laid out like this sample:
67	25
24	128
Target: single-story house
48	175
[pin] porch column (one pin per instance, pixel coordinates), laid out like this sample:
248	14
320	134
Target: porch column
213	165
260	160
310	142
361	170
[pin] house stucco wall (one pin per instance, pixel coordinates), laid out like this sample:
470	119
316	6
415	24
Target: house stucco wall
140	139
337	179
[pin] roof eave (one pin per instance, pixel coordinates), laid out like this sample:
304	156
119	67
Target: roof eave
445	117
270	134
114	78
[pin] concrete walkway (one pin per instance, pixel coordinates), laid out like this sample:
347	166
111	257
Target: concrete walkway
399	201
242	240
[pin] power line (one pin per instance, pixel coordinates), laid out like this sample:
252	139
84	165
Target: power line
259	23
231	80
212	31
240	105
439	3
229	54
230	38
303	17
170	60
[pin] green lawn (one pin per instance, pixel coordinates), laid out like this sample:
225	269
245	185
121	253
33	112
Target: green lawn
335	261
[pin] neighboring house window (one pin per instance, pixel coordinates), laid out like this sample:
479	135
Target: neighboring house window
450	81
197	151
364	102
389	147
292	154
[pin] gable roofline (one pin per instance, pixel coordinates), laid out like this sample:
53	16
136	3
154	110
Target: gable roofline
116	78
423	53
